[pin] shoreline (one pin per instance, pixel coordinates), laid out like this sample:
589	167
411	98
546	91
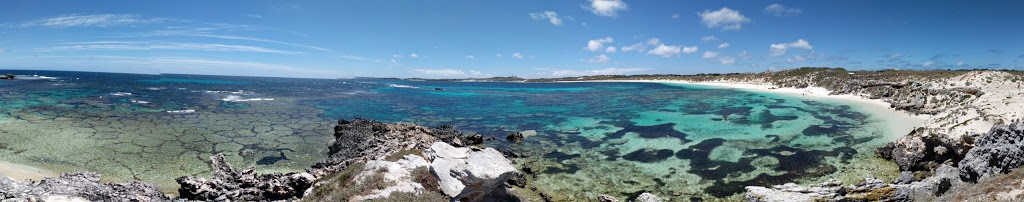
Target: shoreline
811	92
22	172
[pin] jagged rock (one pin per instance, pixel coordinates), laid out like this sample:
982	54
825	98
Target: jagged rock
514	137
475	139
361	140
82	186
914	152
7	76
518	179
398	172
647	197
906	177
998	151
870	190
448	134
245	185
467	175
606	198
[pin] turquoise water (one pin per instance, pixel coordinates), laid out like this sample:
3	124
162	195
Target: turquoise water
681	141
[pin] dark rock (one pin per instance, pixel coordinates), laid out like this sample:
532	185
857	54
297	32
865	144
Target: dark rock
244	185
517	179
83	185
515	137
360	140
448	134
906	177
917	153
7	76
475	139
998	151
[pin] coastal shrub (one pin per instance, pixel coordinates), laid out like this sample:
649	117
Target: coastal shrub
423	176
989	188
330	185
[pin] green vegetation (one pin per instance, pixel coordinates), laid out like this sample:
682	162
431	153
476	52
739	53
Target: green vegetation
989	189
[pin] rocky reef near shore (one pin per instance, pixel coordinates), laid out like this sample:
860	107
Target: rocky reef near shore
360	166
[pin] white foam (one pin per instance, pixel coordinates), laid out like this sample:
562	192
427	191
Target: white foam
121	94
401	86
235	98
183	111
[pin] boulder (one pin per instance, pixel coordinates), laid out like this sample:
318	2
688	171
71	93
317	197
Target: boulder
998	151
514	137
7	76
606	198
467	175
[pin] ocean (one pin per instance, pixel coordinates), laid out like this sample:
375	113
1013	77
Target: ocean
583	138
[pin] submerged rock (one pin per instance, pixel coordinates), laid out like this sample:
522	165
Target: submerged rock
80	186
244	185
998	151
467	175
514	137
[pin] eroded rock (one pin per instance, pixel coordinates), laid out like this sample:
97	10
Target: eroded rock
244	185
83	186
998	151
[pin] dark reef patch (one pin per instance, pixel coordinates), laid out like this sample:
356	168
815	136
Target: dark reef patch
795	162
650	132
559	156
648	155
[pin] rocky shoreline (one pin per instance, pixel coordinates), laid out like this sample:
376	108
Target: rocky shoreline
970	135
455	173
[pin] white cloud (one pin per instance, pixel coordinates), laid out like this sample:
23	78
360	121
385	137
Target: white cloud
723	45
136	45
610	49
727	60
797	58
675	16
665	51
725	19
961	63
440	72
101	20
470	57
551	16
708	38
499	55
710	54
606	7
691	49
413	55
205	34
598	44
517	56
475	73
746	56
928	63
597	59
635	47
779	10
607	71
780	49
654	41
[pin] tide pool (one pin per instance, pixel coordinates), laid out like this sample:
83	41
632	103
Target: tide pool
679	141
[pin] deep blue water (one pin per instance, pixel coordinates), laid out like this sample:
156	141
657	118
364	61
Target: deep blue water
618	138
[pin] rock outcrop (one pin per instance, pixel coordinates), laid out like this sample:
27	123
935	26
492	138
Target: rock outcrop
7	76
648	197
244	185
467	175
998	151
361	140
81	186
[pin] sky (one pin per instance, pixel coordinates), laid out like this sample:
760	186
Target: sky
530	38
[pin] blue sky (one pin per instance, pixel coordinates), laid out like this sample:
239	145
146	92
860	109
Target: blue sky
457	39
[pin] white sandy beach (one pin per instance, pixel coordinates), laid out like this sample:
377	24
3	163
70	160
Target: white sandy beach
23	172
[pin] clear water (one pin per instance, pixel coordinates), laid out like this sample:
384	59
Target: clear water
616	138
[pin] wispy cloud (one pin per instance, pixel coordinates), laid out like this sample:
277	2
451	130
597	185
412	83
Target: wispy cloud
100	20
780	49
551	16
140	45
779	10
441	72
606	71
598	59
217	36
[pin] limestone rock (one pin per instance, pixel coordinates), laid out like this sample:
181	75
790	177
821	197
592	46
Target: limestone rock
998	151
398	172
81	186
244	185
647	197
606	198
467	175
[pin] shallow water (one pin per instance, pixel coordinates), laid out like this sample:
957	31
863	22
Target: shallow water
622	139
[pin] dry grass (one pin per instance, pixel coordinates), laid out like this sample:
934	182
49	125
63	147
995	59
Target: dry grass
988	188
